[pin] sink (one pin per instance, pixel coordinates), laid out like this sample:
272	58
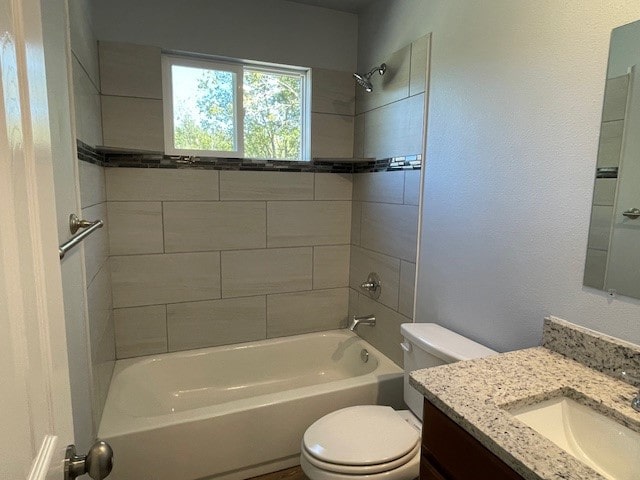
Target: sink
600	442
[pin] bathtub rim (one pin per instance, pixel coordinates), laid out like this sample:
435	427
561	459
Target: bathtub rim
114	422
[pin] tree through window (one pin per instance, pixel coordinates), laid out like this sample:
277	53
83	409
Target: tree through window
235	110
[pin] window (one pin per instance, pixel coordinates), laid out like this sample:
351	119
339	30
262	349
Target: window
237	110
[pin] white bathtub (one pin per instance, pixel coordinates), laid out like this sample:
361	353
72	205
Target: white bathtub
236	411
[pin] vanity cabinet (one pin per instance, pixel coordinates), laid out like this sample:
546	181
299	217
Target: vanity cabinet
450	453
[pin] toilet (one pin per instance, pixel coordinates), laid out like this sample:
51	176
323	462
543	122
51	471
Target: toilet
374	442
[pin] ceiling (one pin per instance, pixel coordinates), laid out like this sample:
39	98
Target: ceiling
351	6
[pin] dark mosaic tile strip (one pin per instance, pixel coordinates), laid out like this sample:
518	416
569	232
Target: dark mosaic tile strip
89	154
157	160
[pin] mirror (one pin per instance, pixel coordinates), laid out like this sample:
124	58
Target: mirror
613	259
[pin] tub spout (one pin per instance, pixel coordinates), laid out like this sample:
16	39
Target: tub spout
365	320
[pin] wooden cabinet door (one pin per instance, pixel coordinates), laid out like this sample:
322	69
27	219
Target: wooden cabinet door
450	453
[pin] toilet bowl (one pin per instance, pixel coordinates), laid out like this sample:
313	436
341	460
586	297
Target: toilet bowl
375	442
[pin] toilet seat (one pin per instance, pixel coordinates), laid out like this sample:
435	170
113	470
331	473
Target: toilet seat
361	469
408	471
367	440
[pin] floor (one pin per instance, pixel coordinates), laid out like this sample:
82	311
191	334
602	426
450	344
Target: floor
294	473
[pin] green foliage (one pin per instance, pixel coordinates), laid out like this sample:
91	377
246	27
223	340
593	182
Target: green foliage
272	115
215	128
272	121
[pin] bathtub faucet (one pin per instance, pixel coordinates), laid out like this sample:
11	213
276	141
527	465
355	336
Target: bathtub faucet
365	320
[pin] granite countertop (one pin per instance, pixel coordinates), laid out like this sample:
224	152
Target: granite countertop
477	393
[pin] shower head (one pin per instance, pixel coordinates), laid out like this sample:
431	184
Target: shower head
365	80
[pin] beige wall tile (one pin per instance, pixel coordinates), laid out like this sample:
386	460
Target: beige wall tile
135	227
333	186
295	224
407	288
87	107
257	272
103	361
99	307
83	41
595	268
132	123
364	262
101	337
610	145
385	335
295	313
390	229
266	185
395	129
391	87
615	98
333	92
96	245
197	226
605	191
419	54
92	184
600	228
154	279
130	70
140	331
149	184
331	266
385	187
356	216
216	322
412	187
353	303
358	136
331	136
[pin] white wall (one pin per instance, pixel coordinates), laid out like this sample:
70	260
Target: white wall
515	105
268	30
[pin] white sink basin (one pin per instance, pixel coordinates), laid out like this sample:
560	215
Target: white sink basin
608	447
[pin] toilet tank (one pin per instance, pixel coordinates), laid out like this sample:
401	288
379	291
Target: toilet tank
429	345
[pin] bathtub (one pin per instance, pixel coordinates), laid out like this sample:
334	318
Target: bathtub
236	411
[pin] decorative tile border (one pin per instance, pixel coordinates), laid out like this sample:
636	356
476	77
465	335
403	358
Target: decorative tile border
89	154
158	160
609	355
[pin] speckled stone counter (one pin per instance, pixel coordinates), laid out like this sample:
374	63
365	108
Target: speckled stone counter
477	394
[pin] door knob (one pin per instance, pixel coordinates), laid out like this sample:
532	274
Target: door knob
632	213
97	463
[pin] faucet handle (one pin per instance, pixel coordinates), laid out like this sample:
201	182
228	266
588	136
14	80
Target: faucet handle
372	285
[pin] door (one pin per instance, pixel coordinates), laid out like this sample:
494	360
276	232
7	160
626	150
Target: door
36	413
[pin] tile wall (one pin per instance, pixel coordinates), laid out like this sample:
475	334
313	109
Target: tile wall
202	258
98	281
86	91
609	153
205	257
132	112
384	234
384	240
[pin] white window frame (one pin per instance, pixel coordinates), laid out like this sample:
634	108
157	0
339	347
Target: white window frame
169	61
237	67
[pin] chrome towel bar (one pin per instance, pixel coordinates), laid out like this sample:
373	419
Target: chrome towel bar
76	239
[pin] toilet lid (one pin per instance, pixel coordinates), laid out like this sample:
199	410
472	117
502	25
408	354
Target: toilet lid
362	435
